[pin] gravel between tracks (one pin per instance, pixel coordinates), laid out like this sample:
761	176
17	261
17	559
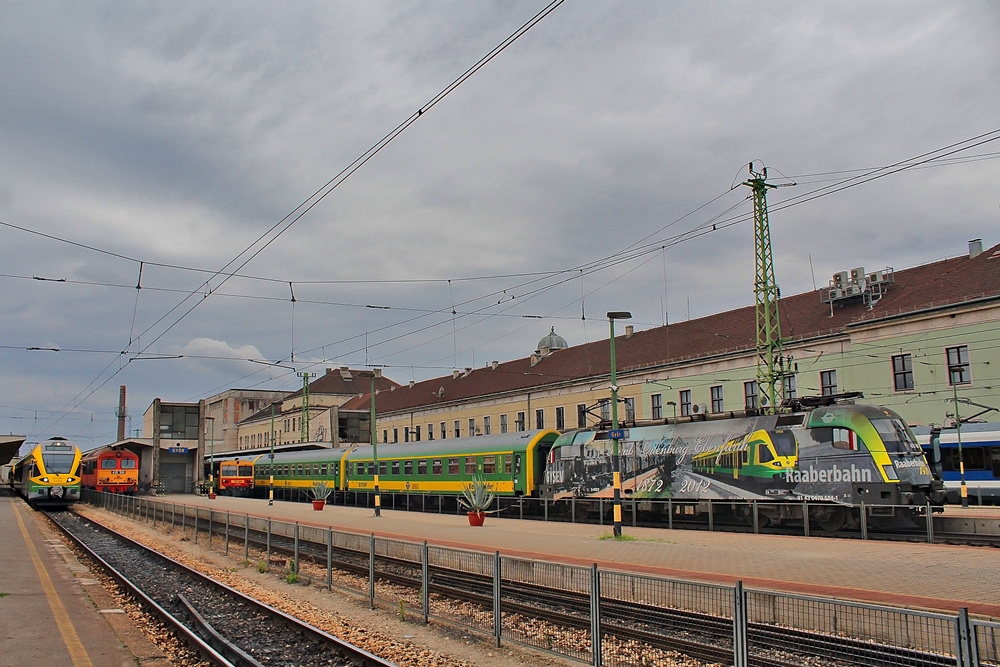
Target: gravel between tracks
409	644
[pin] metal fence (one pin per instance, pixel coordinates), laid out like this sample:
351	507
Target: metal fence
600	617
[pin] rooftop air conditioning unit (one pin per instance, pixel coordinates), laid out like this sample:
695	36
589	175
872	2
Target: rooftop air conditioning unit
699	409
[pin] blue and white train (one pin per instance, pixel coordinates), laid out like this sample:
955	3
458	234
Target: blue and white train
980	455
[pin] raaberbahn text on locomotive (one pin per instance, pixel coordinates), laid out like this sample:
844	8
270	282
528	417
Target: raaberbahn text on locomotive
838	453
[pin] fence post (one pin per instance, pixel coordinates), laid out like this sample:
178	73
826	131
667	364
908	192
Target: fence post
864	521
195	524
246	538
930	524
711	516
371	570
670	514
805	518
740	652
596	651
497	626
329	559
426	580
295	550
756	518
227	534
967	649
268	556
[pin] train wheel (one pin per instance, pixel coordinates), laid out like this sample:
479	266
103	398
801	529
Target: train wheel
830	519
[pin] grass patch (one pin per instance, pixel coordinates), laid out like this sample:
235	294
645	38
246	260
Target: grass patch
621	538
3	595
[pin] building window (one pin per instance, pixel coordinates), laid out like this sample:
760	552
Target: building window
503	423
902	372
606	409
444	431
520	421
958	365
790	388
828	382
472	426
750	395
385	435
458	429
685	399
560	419
656	406
581	416
406	434
430	431
486	425
630	410
395	435
717	403
539	419
416	434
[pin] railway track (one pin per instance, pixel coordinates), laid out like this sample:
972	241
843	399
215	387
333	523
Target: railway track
222	625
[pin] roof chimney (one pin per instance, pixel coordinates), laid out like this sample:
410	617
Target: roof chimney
629	330
467	373
377	372
455	373
345	372
412	382
493	365
975	248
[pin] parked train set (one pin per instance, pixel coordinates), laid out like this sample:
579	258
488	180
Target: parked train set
977	460
111	469
48	475
830	455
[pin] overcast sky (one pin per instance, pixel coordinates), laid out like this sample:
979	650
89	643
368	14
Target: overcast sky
150	144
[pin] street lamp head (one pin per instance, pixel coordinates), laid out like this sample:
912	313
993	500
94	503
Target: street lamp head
619	315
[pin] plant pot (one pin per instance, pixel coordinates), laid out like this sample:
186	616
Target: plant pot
477	518
211	495
319	504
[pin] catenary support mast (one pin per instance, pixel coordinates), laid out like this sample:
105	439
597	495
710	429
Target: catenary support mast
770	360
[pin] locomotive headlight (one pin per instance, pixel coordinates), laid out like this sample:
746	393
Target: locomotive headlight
45	480
890	472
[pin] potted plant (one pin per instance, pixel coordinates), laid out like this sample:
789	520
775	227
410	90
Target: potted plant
211	489
477	498
320	490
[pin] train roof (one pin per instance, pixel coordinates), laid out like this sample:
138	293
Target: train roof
480	444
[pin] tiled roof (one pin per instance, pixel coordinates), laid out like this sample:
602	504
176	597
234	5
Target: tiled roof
803	316
336	382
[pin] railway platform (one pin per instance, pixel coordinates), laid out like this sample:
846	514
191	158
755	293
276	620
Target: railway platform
935	577
52	610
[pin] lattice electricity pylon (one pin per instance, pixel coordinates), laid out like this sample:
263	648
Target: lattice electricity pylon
770	360
304	420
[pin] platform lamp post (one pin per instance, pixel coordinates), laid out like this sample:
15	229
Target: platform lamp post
211	458
371	421
270	467
615	459
958	431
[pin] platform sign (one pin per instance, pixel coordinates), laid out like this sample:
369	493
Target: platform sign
177	450
616	434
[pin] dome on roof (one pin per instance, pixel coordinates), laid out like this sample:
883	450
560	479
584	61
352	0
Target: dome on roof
552	341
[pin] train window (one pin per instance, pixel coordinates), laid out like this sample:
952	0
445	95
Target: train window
371	468
895	435
470	465
506	463
58	464
489	465
322	470
784	443
382	468
107	464
437	466
422	467
764	454
360	468
453	466
315	469
407	467
973	457
395	468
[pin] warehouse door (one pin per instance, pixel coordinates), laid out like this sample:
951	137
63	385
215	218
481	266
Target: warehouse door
173	477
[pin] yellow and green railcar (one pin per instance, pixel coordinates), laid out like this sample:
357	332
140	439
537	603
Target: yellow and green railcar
49	475
762	456
512	463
